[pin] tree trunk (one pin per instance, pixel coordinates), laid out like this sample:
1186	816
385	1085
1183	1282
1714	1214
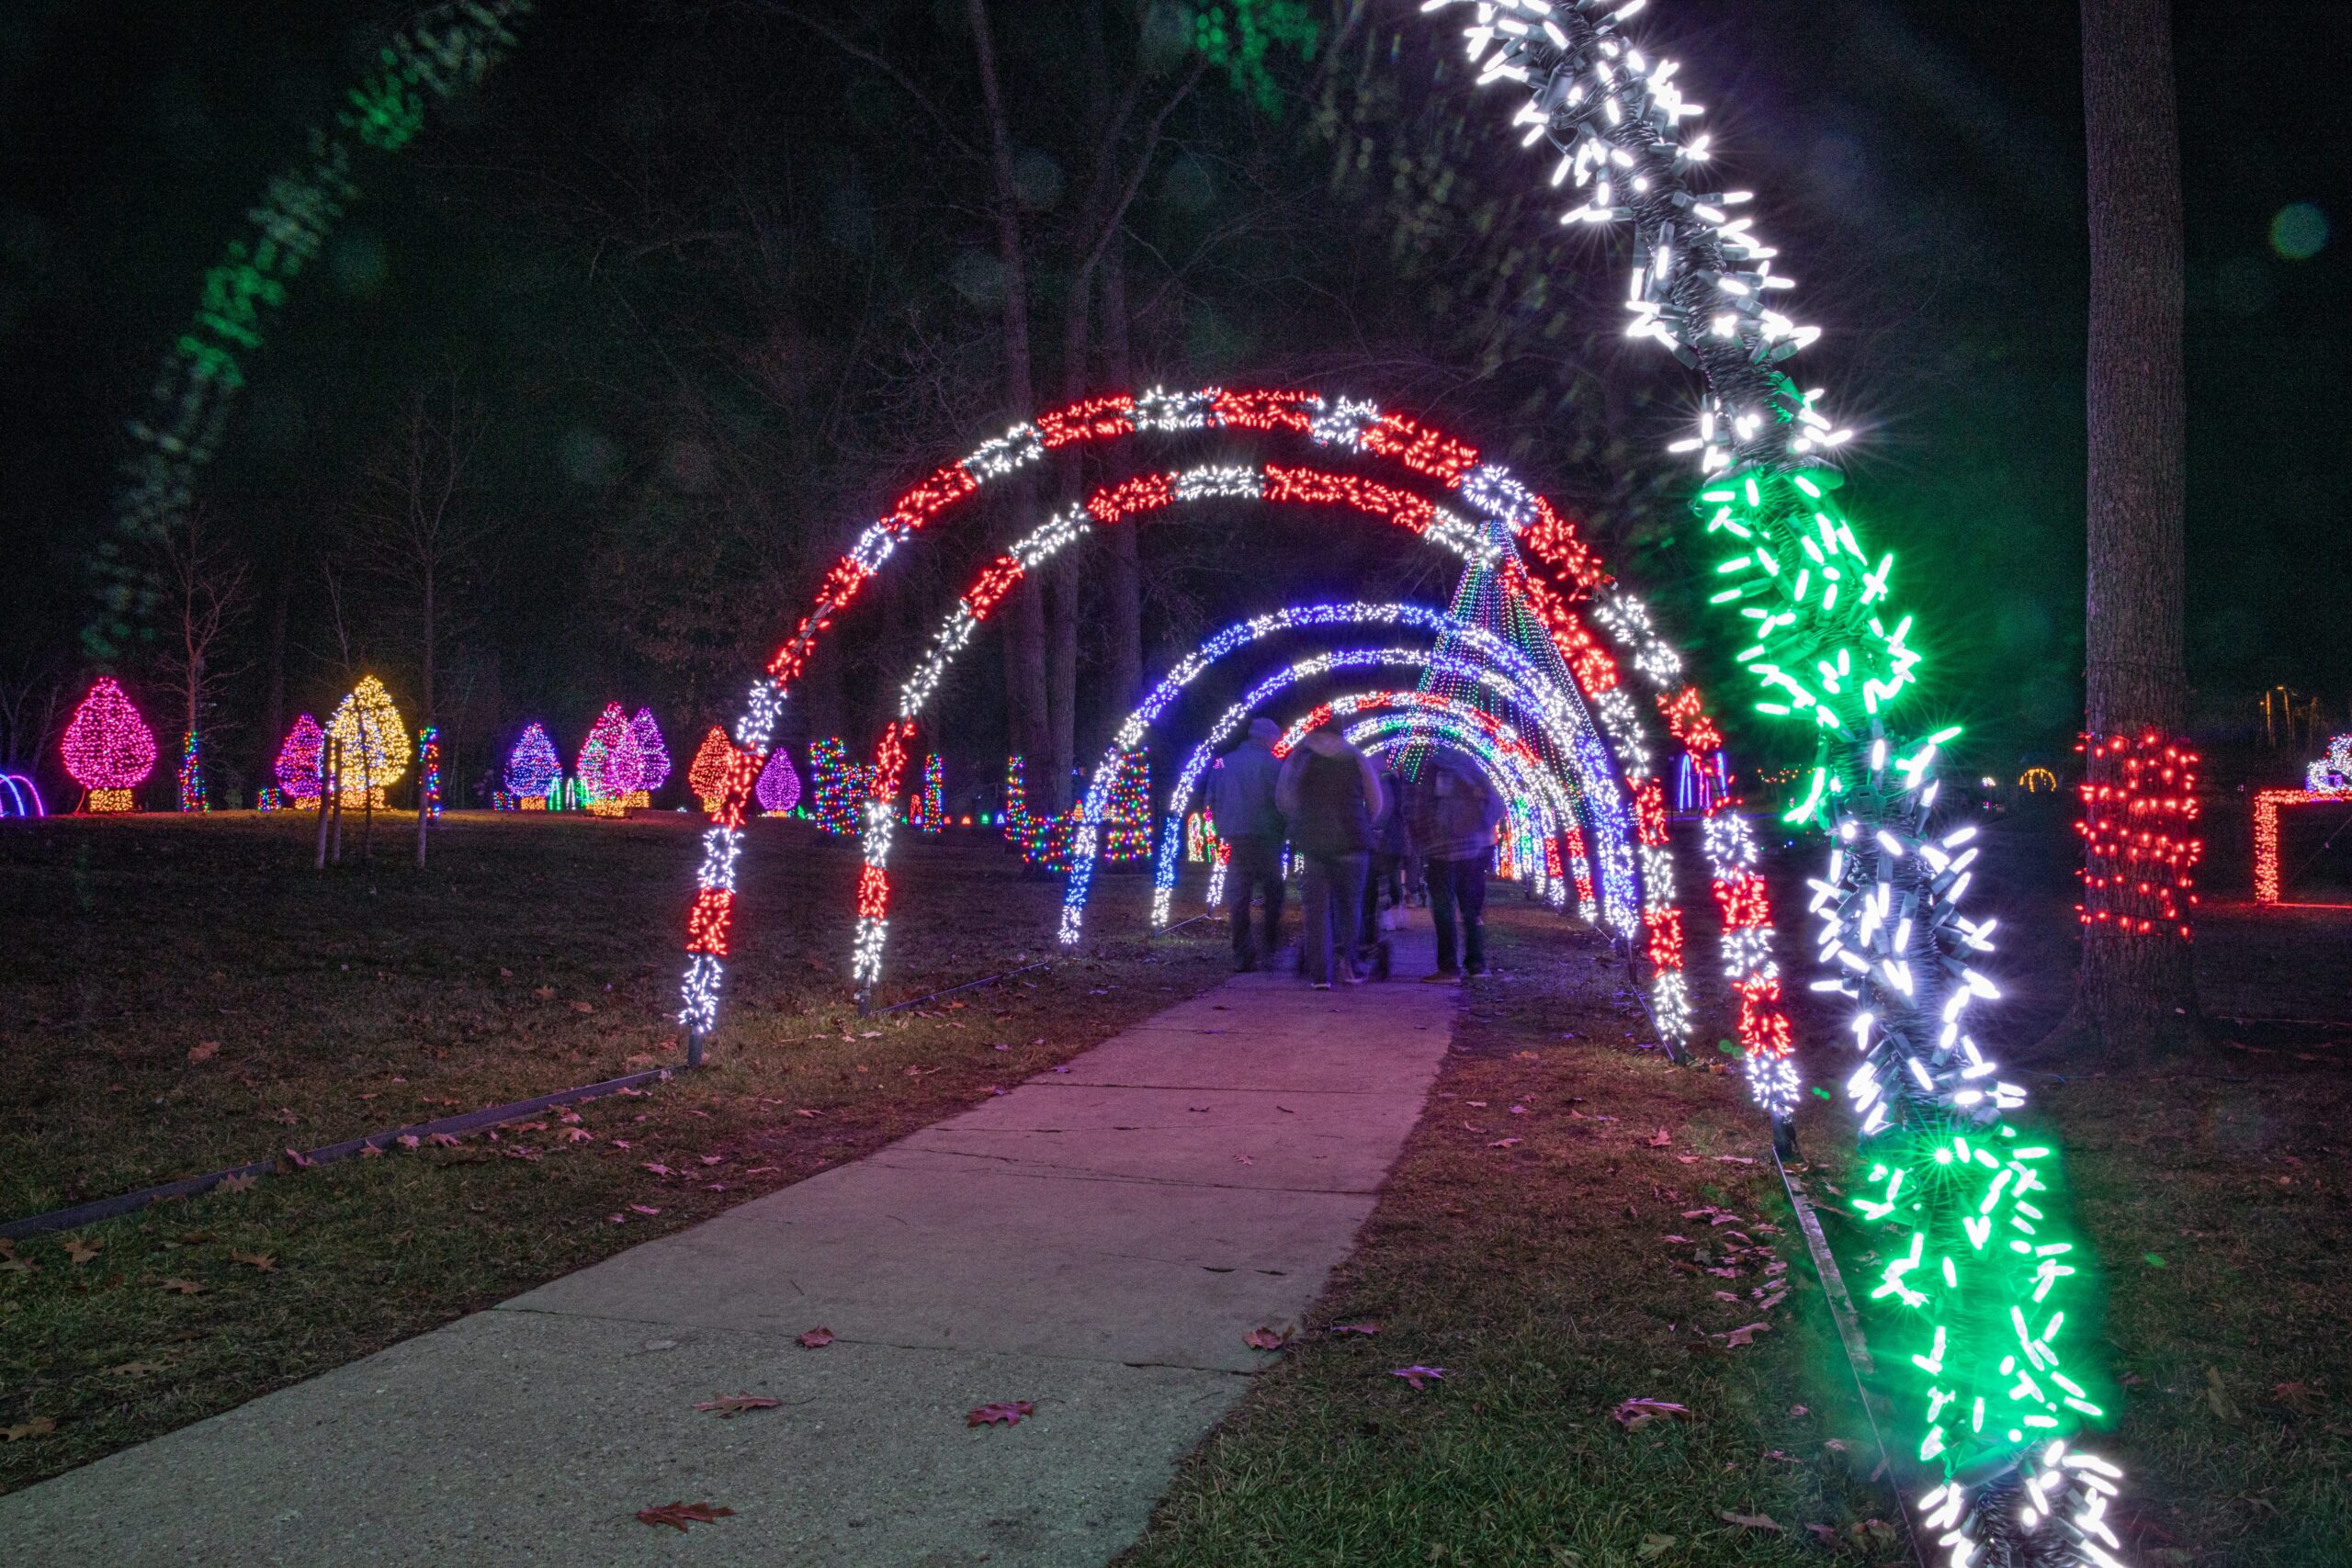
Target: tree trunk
2135	987
1025	615
275	729
1123	580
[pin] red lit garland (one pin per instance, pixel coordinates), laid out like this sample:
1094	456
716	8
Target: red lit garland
2139	806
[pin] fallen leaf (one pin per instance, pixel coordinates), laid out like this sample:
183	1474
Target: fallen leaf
817	1338
1753	1521
1506	1142
657	1168
579	1136
409	1140
1654	1543
203	1051
2217	1398
1662	1140
1368	1328
728	1405
1824	1534
262	1262
2298	1397
442	1140
544	993
678	1516
584	1006
184	1287
80	1251
371	1151
1265	1339
39	1426
1009	1414
1244	1159
1747	1335
712	1159
295	1159
643	1210
1420	1377
1635	1414
1799	1410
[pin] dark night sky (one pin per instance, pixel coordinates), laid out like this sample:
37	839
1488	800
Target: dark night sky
1920	160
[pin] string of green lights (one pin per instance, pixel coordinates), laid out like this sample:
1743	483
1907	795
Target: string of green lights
1974	1296
446	51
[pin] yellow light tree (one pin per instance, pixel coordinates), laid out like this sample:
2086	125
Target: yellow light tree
370	741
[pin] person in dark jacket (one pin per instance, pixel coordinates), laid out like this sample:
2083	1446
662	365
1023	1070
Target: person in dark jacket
1330	794
1453	811
1392	850
1242	802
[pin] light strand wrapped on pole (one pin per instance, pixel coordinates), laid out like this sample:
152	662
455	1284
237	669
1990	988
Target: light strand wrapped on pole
1979	1267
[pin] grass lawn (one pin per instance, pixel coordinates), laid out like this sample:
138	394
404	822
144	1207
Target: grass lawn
1543	1278
192	995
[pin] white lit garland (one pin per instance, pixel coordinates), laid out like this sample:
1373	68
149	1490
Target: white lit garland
1891	934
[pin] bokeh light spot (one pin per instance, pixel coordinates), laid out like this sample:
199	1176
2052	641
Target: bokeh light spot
2299	232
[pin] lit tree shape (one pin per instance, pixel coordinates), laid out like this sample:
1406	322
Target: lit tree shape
707	775
532	768
778	789
299	763
370	743
654	754
595	770
107	747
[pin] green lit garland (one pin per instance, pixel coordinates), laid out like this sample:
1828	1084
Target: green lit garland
447	50
1979	1272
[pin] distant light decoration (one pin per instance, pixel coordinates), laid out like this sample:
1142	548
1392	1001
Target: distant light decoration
1357	427
428	771
608	763
533	768
1197	830
2139	853
837	787
108	748
653	758
443	51
2326	782
930	809
1700	781
20	797
1983	1393
266	798
2038	781
299	760
191	774
707	773
778	790
2332	775
371	742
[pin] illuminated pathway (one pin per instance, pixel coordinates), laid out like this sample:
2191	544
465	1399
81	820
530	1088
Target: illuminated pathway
1094	1242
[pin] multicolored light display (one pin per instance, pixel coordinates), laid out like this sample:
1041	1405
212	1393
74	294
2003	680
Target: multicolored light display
652	758
108	748
428	771
371	743
837	787
191	777
300	759
1827	650
533	767
1355	426
609	762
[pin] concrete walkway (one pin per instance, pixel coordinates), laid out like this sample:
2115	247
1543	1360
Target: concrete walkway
1097	1242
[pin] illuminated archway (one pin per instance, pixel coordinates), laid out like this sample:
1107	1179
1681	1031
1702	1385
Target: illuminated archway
1569	728
1565	566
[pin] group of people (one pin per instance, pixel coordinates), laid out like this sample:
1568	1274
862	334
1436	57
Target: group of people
1360	832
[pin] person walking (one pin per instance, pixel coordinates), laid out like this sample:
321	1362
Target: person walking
1331	793
1454	810
1392	850
1242	802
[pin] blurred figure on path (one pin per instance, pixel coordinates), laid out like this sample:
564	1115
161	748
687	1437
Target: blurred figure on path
1454	812
1331	793
1241	800
1392	851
